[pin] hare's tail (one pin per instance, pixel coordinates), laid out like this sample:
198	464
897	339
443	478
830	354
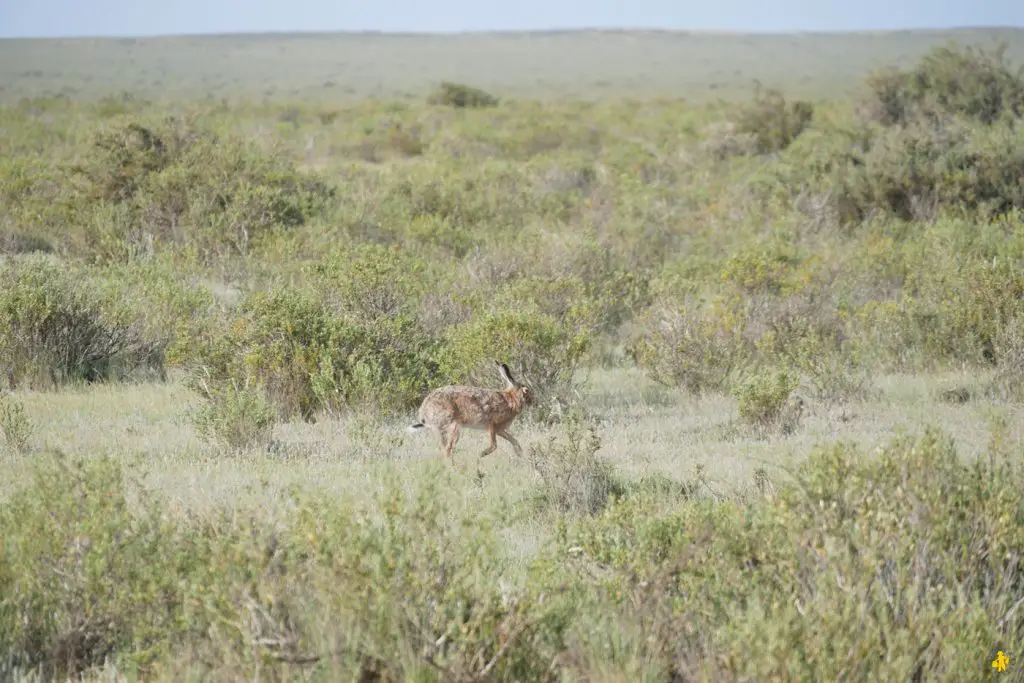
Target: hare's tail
418	425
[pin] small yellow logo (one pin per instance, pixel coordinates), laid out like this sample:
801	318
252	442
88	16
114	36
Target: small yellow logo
1000	662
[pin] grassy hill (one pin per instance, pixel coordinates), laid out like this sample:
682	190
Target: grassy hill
591	64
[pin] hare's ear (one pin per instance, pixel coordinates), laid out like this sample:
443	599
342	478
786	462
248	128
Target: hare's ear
506	374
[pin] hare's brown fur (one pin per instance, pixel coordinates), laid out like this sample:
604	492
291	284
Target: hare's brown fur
449	408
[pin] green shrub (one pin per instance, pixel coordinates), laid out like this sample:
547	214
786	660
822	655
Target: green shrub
764	400
174	307
177	185
371	281
1008	352
16	428
908	541
949	81
57	325
941	136
944	315
833	375
771	121
810	333
914	172
598	304
12	242
461	96
724	140
424	586
389	140
407	141
306	359
83	576
907	544
575	480
455	204
27	192
542	351
32	192
770	269
93	569
238	417
689	347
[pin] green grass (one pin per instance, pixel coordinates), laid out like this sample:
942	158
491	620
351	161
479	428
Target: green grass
562	64
777	346
647	430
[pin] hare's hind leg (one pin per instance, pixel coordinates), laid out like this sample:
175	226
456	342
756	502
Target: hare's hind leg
515	444
449	437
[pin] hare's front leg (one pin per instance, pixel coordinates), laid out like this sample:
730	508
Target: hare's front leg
515	444
491	434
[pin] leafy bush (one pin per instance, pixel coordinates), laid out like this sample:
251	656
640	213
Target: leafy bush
946	314
575	479
425	588
832	375
695	349
598	302
943	136
94	570
378	144
173	306
1008	350
764	400
31	190
915	171
542	351
58	326
406	141
83	576
238	417
771	121
16	429
771	303
12	242
371	281
909	543
176	185
306	359
949	81
461	96
724	140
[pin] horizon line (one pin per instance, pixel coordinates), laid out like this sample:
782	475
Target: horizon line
499	32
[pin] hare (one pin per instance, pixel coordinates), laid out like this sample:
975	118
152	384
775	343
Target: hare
448	408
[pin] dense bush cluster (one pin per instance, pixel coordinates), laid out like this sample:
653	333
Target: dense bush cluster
57	327
947	167
944	135
142	188
771	122
552	256
729	592
919	550
306	359
462	96
971	82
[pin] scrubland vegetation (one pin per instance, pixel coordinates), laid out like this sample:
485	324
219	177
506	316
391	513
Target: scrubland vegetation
777	347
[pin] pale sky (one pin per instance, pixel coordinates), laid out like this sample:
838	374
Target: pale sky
37	18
